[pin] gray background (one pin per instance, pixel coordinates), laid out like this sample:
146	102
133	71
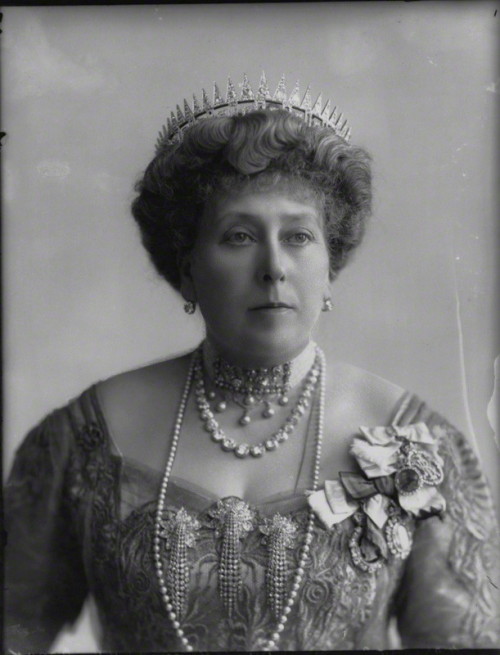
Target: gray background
86	89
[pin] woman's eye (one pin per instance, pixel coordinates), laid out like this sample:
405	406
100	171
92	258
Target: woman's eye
300	238
238	238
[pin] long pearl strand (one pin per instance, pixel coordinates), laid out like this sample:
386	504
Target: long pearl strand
299	573
167	601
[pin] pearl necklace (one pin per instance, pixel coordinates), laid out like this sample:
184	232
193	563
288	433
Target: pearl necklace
299	573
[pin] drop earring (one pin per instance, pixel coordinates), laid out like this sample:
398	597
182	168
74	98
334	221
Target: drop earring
327	305
190	307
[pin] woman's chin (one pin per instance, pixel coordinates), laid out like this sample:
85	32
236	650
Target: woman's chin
266	350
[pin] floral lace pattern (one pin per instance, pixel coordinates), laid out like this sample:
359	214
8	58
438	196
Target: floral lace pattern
475	544
63	501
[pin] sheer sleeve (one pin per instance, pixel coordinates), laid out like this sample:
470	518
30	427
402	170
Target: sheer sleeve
45	584
449	591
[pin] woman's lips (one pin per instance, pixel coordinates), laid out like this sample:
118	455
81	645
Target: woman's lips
272	307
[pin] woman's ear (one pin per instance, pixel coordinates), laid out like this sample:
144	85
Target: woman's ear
187	285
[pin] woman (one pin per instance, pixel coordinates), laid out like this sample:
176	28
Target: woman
228	499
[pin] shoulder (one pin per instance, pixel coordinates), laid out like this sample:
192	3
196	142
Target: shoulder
354	397
360	395
140	383
139	403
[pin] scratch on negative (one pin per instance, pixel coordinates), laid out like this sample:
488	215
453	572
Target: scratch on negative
492	409
463	375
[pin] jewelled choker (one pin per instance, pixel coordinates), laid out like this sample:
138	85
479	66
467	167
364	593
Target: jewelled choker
168	583
252	383
250	387
255	390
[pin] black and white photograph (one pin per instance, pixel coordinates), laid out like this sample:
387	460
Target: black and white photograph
250	326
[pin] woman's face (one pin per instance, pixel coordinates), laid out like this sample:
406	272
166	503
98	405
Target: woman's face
259	271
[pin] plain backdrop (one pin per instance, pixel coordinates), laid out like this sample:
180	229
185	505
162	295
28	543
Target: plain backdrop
85	91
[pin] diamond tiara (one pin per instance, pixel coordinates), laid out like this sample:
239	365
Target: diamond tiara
231	105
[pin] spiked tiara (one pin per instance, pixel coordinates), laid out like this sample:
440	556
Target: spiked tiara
231	105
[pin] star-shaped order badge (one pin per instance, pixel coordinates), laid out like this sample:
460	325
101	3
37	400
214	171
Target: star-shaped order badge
401	471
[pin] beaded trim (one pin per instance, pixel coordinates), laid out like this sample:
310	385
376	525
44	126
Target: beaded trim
304	553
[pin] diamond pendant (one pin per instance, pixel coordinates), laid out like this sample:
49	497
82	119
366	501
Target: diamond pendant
221	406
247	403
279	534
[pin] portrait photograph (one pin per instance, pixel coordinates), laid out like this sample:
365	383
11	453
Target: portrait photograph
250	326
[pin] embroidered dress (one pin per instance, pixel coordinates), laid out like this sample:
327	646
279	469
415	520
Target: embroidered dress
80	519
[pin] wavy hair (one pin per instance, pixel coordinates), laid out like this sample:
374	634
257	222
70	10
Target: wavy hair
261	149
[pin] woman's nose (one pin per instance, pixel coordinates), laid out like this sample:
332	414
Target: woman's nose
272	268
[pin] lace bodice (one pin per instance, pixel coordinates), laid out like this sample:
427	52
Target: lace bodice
80	520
